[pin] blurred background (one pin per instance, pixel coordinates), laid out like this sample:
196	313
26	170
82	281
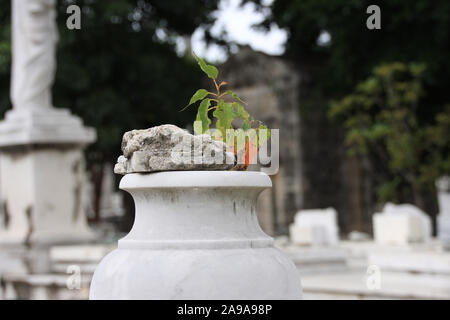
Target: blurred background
364	119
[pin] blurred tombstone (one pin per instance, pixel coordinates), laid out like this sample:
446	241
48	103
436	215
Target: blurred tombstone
315	227
443	190
401	224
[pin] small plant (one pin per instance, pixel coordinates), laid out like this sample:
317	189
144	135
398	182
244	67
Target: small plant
225	113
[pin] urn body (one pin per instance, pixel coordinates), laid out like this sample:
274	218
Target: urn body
196	236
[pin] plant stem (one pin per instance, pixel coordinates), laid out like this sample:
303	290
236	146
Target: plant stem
217	87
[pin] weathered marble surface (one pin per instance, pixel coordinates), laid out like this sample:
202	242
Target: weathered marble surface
170	148
196	236
42	196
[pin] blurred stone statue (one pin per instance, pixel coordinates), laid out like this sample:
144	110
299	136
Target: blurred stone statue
34	53
47	209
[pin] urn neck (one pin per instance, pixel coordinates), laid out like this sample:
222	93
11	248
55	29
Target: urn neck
195	209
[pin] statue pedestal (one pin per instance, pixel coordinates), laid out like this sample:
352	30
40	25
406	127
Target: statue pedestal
43	126
42	176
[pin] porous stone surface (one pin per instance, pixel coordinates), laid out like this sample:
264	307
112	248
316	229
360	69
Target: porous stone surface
170	148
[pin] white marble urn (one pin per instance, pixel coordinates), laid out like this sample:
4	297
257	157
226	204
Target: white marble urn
196	236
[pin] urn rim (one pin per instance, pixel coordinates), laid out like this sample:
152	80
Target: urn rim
195	179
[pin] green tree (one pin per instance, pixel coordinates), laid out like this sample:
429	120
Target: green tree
380	118
410	31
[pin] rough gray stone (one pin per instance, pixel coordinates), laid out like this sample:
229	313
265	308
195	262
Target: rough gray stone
169	148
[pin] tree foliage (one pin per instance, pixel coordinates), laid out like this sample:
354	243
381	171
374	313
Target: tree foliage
411	32
381	118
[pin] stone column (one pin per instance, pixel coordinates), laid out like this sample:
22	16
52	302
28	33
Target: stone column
41	147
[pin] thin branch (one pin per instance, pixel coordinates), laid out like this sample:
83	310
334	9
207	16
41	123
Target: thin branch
217	87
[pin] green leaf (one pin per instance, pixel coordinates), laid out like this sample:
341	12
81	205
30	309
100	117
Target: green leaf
210	70
240	111
199	95
224	115
202	115
234	95
246	125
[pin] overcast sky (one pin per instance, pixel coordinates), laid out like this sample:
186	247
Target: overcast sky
237	22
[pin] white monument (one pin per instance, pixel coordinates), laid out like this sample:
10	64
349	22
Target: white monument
315	227
41	147
401	224
443	220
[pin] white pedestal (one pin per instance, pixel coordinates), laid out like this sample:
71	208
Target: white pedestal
400	225
196	236
43	126
41	177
